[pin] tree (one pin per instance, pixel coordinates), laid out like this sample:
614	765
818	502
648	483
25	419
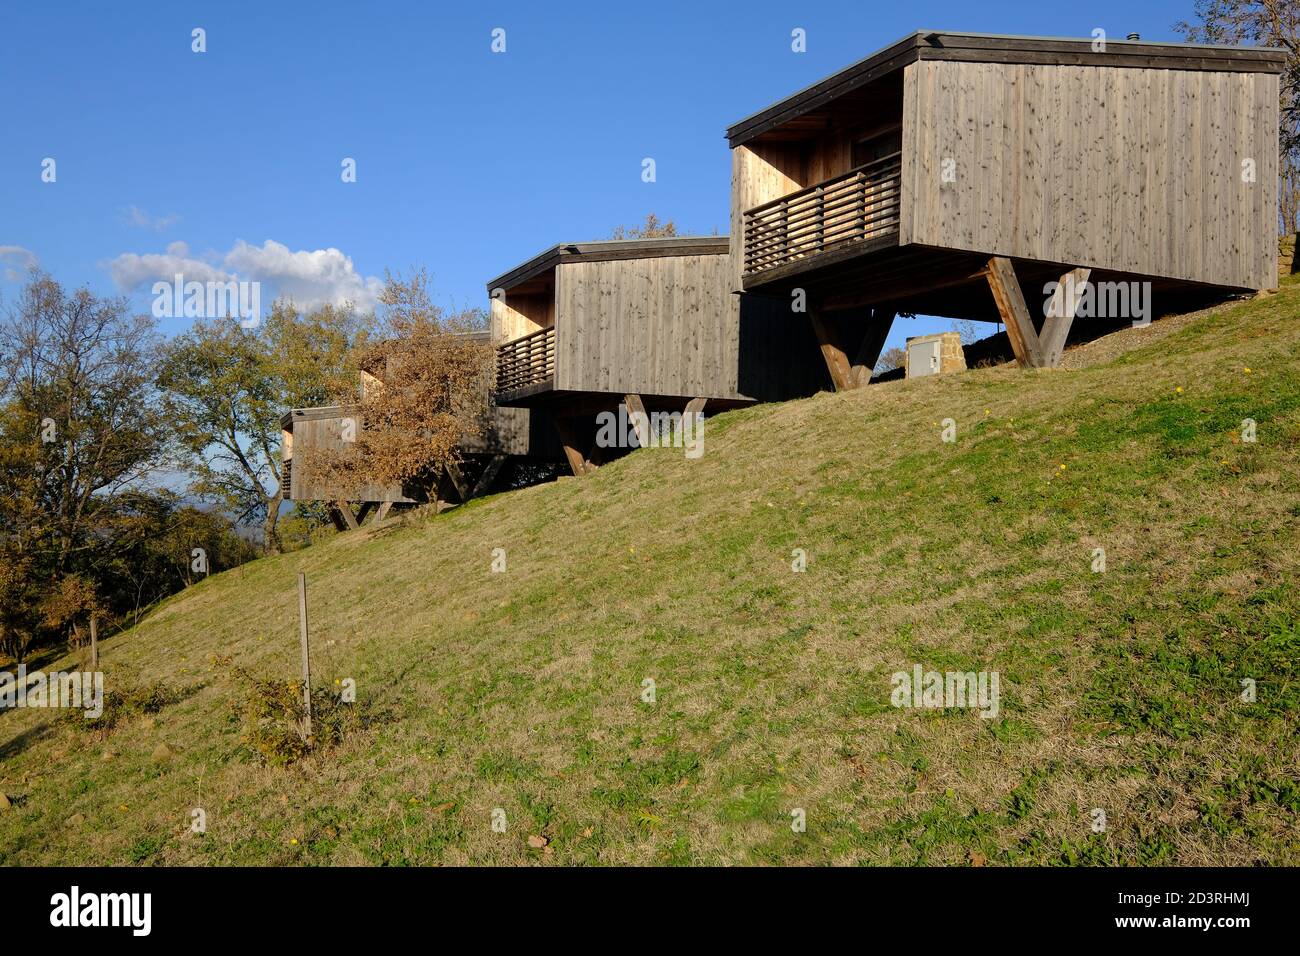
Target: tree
80	408
652	228
73	599
80	424
433	376
891	359
155	537
226	388
1263	23
967	330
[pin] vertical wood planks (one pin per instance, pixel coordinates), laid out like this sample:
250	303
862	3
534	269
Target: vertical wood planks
1121	168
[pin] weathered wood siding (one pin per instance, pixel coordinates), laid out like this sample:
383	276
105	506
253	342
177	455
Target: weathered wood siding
514	431
670	326
759	172
515	315
1132	170
653	326
326	433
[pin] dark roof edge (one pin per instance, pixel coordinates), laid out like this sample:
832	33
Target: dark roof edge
941	44
877	64
607	250
315	412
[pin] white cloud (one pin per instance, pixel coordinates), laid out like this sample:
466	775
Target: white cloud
15	261
309	278
135	216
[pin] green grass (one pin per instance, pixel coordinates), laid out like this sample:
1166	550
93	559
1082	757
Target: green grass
522	691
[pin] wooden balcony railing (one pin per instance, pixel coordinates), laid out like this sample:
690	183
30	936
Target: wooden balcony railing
526	361
854	206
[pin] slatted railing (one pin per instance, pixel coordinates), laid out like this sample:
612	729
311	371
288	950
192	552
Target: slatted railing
526	361
854	206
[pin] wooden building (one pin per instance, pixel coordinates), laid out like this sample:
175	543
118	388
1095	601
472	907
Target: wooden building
956	175
514	439
648	323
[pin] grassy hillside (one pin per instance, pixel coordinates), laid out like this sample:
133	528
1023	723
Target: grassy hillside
522	690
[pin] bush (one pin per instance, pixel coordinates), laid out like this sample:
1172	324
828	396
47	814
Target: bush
273	719
129	700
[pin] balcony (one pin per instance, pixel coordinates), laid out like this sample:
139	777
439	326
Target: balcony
527	363
855	207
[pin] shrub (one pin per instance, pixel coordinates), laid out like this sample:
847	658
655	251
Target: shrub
273	718
129	700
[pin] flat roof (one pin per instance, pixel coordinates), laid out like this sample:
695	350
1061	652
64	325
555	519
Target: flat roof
314	413
1002	48
607	250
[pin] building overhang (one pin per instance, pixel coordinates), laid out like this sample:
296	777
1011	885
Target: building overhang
607	250
808	110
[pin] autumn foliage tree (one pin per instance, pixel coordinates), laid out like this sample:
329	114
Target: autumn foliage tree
225	388
80	427
652	228
431	376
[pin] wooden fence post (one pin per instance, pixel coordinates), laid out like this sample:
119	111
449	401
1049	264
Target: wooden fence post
306	657
94	643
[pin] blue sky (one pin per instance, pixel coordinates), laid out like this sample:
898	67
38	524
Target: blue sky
468	162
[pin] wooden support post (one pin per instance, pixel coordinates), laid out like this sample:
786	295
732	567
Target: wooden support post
837	361
640	420
306	654
458	480
569	439
345	512
873	343
336	516
835	341
1015	314
94	643
364	510
442	490
489	472
1060	315
695	406
382	513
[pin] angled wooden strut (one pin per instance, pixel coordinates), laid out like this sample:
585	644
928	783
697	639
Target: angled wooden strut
486	477
1032	348
336	516
458	481
640	420
872	344
452	479
572	448
344	510
1060	315
851	345
1015	314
